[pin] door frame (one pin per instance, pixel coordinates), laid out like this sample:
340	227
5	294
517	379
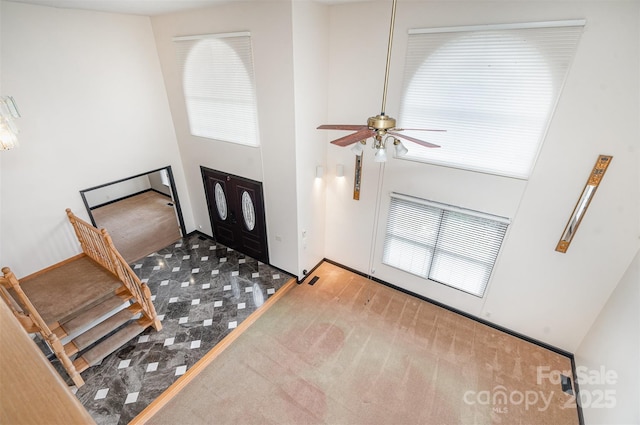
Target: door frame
172	187
211	208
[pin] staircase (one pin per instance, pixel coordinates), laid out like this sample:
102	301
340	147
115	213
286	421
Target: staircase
85	307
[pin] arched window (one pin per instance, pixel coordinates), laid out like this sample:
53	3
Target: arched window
219	87
492	88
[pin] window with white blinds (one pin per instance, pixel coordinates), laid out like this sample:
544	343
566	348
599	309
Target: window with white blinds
449	245
219	86
493	88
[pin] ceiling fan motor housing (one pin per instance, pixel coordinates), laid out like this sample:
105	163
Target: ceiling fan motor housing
381	122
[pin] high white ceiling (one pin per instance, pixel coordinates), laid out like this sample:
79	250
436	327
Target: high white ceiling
133	7
138	7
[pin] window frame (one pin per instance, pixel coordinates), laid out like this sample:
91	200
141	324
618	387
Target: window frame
247	125
435	246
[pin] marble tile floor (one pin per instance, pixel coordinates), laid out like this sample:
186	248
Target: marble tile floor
201	291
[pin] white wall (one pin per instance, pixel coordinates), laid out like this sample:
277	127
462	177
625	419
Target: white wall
356	75
273	163
116	191
535	290
613	346
311	54
551	296
94	110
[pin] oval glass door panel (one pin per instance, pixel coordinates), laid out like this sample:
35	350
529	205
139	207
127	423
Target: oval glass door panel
248	211
221	201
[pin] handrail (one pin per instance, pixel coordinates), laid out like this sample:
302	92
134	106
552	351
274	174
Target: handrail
97	245
139	289
9	281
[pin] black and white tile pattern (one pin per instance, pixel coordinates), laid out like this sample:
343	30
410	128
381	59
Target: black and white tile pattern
201	291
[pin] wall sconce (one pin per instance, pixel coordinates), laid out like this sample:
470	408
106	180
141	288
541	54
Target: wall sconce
339	170
319	171
583	202
8	128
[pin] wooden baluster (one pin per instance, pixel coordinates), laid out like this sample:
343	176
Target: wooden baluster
58	349
154	316
132	281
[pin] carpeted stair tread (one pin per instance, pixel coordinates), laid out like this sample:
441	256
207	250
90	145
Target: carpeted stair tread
64	291
111	344
101	330
93	314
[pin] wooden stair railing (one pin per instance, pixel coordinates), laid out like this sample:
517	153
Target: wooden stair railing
103	299
98	245
32	321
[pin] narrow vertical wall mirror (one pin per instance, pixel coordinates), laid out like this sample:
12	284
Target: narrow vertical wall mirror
583	202
357	178
141	213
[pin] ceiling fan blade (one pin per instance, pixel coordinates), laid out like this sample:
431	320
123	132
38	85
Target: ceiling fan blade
354	137
414	140
416	129
342	127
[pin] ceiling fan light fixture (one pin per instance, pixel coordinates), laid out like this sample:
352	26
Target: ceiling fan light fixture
358	148
401	150
381	155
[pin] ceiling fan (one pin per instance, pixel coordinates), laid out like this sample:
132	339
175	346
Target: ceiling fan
381	127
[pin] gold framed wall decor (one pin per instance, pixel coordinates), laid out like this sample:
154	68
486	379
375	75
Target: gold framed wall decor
583	202
357	180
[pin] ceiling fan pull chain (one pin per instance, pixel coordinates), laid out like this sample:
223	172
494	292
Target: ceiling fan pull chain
386	72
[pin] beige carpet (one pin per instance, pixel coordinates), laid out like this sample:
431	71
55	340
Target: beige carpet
139	225
59	293
350	351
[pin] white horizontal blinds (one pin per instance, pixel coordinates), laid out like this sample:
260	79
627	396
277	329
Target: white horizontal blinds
411	235
466	251
219	87
492	88
443	244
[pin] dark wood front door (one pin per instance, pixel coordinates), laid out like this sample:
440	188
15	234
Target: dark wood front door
236	210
